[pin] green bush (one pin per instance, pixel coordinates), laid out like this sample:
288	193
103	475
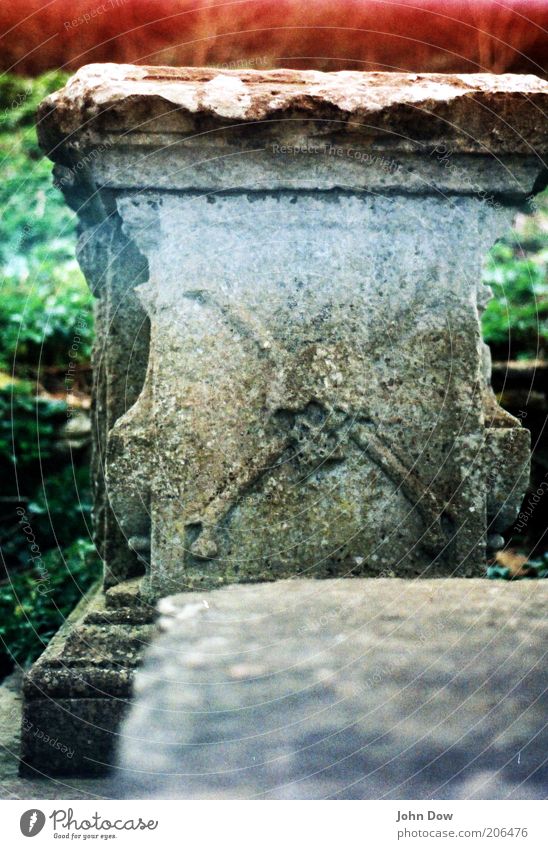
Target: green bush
56	493
44	300
515	322
61	506
46	326
40	321
35	603
20	97
28	427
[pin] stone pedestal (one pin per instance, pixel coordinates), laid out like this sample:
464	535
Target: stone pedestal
290	377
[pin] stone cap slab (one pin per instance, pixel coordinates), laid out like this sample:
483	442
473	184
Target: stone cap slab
351	689
475	113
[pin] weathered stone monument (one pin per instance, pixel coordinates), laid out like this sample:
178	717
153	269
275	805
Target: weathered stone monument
290	379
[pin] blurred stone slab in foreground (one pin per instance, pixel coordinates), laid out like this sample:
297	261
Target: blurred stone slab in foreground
344	689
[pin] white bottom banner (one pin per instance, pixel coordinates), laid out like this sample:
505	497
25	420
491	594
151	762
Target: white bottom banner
263	825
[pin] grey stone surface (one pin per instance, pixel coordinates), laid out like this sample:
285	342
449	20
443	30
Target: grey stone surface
343	689
320	426
113	267
38	786
51	788
10	725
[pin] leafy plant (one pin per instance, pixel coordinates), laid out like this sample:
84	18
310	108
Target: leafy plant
56	494
47	322
60	509
28	427
45	304
515	322
46	330
20	97
44	300
35	603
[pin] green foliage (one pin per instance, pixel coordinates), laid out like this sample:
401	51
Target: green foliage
40	321
20	97
35	603
61	506
27	427
56	493
46	330
45	306
59	509
515	322
43	296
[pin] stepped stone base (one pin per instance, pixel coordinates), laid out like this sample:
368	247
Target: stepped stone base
79	690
